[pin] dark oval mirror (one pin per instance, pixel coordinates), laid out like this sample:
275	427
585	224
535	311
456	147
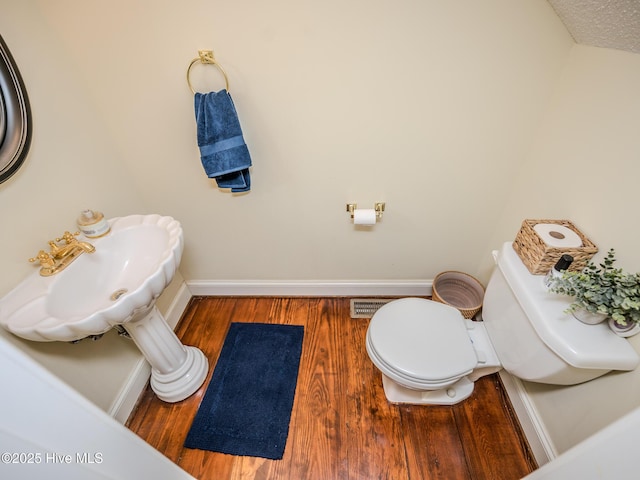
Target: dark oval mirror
15	116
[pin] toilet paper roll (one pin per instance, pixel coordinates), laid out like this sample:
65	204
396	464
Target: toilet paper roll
558	236
364	216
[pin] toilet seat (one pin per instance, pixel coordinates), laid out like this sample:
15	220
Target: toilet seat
421	344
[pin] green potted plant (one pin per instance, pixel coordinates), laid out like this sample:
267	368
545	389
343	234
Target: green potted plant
602	289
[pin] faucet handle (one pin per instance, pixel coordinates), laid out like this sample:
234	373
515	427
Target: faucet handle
44	258
68	237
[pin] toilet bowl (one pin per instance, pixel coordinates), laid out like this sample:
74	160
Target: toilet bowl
428	353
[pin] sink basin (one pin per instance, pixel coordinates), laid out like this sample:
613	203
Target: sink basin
130	268
115	285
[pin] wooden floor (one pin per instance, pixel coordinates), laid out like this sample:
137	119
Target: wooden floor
341	426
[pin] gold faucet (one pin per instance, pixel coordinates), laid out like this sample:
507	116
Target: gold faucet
61	255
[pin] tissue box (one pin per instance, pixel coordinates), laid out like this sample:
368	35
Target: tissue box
539	257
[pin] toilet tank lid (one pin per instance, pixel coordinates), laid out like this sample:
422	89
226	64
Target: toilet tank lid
580	345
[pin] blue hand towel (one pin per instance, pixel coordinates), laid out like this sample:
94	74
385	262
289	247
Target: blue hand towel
223	152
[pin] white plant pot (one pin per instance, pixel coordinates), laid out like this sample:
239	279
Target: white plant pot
628	330
588	317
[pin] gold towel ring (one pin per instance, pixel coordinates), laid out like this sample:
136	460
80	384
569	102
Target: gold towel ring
206	57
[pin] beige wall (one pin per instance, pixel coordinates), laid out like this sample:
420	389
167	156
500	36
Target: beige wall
584	165
433	107
73	164
428	106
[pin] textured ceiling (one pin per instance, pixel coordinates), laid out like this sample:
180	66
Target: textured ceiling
602	23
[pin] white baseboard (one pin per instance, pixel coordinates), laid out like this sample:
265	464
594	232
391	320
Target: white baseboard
541	445
133	388
178	306
306	288
137	381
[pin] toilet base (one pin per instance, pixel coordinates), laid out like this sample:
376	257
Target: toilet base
455	393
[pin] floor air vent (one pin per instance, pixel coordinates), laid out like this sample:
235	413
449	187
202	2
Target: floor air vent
366	307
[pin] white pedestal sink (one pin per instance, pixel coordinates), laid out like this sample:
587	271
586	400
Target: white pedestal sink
118	284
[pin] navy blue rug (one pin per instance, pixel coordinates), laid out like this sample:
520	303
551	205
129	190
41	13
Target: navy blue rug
247	406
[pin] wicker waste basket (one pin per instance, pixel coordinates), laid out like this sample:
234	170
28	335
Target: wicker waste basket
459	290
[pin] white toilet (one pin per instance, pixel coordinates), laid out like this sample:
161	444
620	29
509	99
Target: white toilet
429	353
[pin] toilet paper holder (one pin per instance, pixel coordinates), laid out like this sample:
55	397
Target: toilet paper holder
378	207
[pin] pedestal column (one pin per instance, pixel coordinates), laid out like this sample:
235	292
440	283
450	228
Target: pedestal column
177	371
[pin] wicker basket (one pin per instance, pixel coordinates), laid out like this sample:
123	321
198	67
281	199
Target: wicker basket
539	257
459	290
